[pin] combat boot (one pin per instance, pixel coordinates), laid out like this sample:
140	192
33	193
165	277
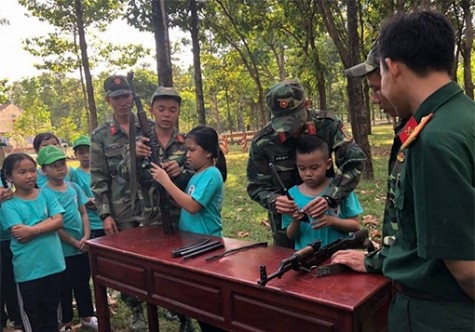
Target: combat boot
138	320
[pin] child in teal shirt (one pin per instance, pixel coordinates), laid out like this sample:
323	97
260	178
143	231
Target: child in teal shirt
313	160
33	216
73	236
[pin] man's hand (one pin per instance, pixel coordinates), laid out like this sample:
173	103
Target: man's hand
110	227
354	259
5	194
283	205
316	207
142	149
172	168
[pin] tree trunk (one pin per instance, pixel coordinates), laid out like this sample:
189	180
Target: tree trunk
83	87
200	103
85	64
467	48
230	118
162	43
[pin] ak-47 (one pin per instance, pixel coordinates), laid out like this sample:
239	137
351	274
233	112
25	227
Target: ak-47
155	157
312	255
306	217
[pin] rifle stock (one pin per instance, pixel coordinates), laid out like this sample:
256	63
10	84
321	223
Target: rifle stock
153	143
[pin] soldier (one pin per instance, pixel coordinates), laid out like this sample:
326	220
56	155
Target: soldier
276	143
373	262
432	260
111	191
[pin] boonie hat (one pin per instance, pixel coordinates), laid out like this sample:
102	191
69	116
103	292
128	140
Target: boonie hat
364	68
117	85
82	140
165	91
49	154
286	101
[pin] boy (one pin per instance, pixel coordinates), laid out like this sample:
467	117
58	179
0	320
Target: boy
73	237
313	160
82	177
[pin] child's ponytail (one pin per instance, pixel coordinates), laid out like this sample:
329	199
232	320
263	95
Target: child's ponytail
221	164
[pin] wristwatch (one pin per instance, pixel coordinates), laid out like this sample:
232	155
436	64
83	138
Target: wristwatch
104	216
330	201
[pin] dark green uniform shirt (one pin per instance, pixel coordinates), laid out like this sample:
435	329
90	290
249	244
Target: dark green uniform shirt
435	198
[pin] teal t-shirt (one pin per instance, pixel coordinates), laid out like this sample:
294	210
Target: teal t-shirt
71	199
4	233
206	188
43	255
83	180
350	207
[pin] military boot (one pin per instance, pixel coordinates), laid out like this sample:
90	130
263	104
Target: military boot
138	320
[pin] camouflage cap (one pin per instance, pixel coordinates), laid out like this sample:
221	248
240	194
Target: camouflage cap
165	92
82	140
49	154
286	101
364	68
117	85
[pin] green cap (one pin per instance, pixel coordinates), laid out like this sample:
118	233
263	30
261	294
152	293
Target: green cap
117	85
82	140
371	63
286	101
165	92
49	154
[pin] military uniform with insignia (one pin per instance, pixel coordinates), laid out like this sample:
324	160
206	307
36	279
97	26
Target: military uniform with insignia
275	144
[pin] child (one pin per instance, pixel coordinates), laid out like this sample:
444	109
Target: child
40	141
82	177
33	216
201	204
313	161
73	236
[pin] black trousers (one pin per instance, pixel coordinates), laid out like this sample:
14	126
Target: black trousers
8	294
40	300
76	279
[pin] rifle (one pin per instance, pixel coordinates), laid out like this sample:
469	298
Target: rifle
155	157
312	255
306	217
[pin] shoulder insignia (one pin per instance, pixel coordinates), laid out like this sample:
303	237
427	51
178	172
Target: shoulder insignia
113	129
282	137
345	132
311	128
413	131
264	131
180	138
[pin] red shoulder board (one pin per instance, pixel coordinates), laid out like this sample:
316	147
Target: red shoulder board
312	130
180	138
414	132
282	137
408	129
113	129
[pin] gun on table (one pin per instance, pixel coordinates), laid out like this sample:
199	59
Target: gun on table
306	217
155	157
313	255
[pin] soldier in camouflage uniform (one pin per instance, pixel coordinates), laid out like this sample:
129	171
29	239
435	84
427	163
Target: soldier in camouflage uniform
112	191
373	262
276	143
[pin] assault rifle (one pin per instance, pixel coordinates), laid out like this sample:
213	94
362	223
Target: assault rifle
312	255
155	157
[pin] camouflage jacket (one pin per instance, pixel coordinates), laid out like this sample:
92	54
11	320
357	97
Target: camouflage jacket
374	260
148	194
111	191
278	148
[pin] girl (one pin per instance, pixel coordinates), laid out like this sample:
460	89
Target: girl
73	238
33	216
201	204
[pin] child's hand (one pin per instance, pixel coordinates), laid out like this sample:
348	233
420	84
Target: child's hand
159	174
83	245
316	207
5	194
172	168
23	233
323	221
297	215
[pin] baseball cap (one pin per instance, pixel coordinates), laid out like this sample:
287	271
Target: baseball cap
82	140
165	91
49	154
117	85
364	68
286	101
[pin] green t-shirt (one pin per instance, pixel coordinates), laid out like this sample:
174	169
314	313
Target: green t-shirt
43	255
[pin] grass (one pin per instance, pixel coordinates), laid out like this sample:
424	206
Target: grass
243	218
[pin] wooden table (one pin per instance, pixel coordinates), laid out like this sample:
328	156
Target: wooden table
224	292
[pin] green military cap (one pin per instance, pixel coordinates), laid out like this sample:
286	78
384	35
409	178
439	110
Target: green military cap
117	85
286	101
82	140
165	92
364	68
49	154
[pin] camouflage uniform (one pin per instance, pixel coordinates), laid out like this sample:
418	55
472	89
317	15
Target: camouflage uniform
274	144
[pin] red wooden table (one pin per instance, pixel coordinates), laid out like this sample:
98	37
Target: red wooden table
225	293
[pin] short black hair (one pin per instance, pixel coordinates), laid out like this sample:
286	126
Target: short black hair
43	137
423	41
310	143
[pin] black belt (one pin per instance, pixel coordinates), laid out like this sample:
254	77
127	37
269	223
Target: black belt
416	294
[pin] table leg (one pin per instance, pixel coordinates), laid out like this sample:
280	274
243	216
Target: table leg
102	307
152	315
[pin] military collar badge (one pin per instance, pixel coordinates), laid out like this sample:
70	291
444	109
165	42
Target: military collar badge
413	132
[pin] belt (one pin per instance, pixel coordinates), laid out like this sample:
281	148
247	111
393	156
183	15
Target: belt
416	294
